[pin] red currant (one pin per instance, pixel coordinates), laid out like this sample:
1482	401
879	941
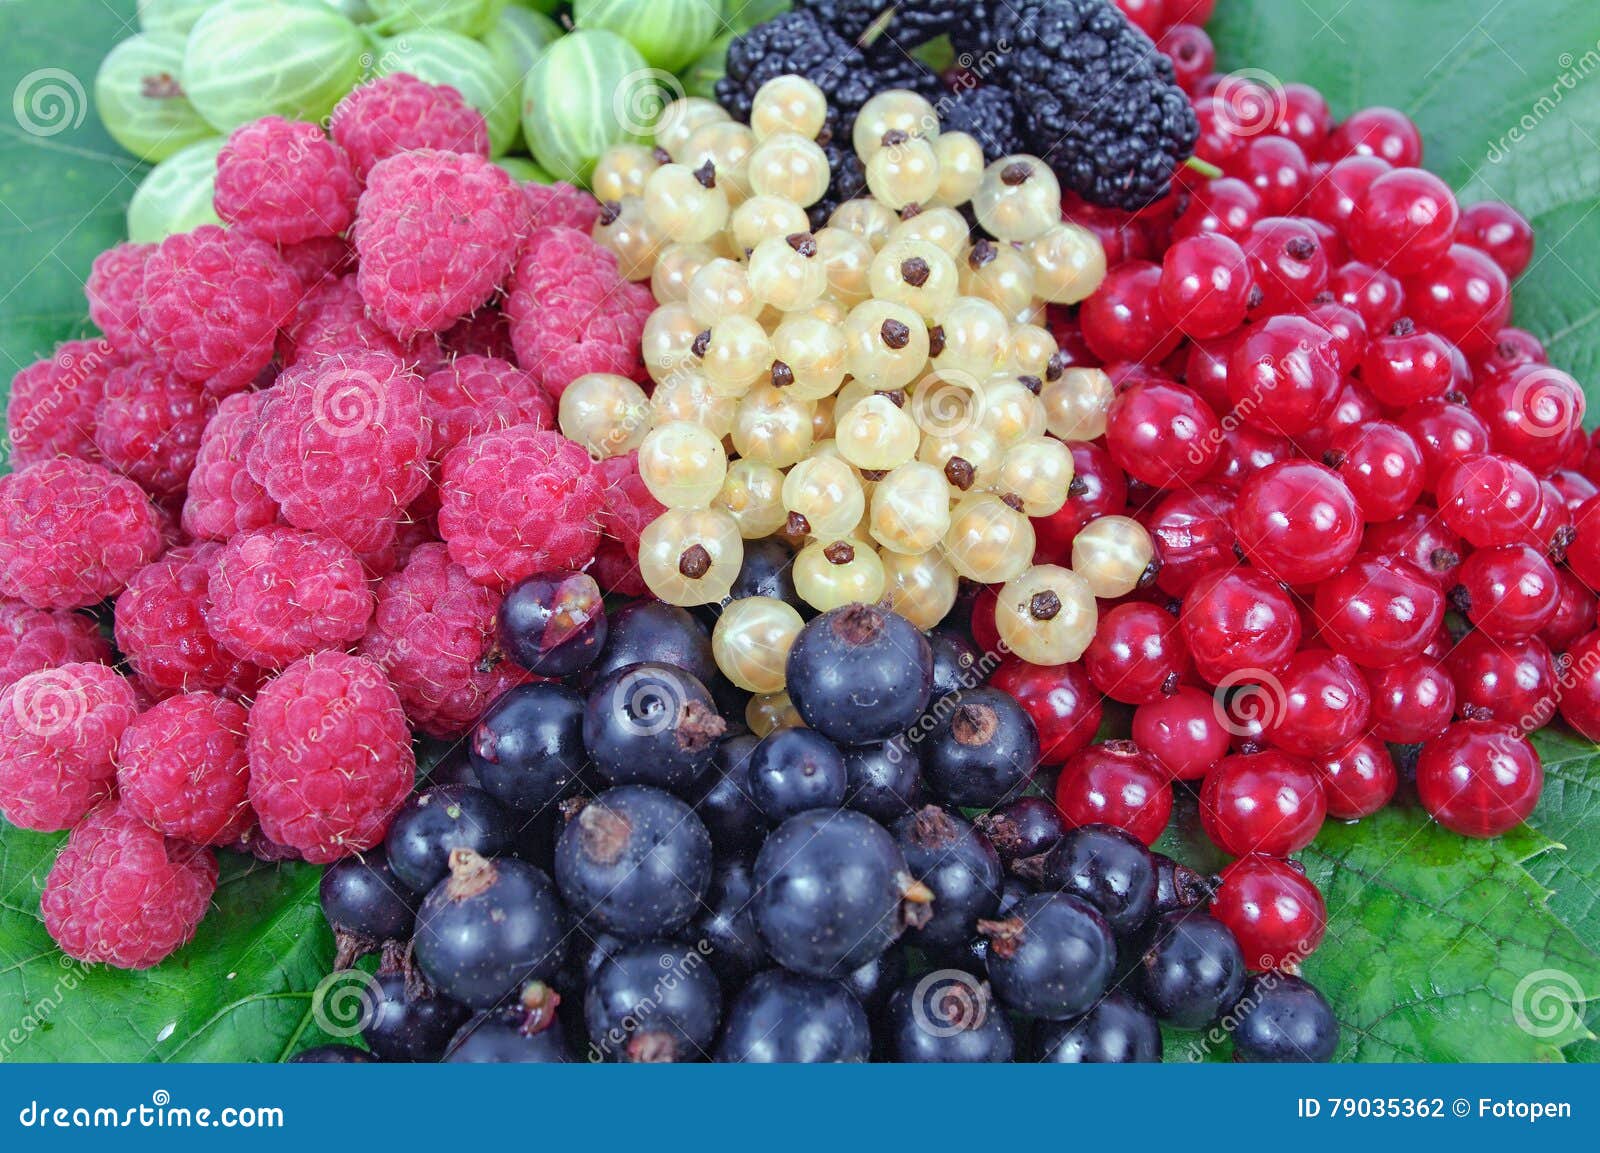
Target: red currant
1512	682
1572	488
1418	536
1583	552
1059	699
1462	295
1404	221
1325	704
1346	327
1580	686
1405	365
1226	205
1098	489
1297	521
1575	613
1306	118
1119	234
1219	141
1276	167
1444	432
1512	348
1192	54
1379	611
1479	778
1115	783
1499	231
1489	500
1510	592
1382	466
1332	198
1245	451
1377	131
1359	779
1273	909
1161	434
1289	262
1269	802
1194	535
1354	406
1205	285
1237	619
1531	412
1372	292
1282	375
1149	16
1411	701
1123	320
1183	732
1137	654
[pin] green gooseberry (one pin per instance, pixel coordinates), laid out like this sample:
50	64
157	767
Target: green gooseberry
668	33
587	92
464	64
525	170
468	17
172	16
518	38
545	7
700	78
175	195
141	101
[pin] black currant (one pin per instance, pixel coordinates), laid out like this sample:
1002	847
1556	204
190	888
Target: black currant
726	806
1283	1018
788	1018
1022	827
1051	956
957	663
983	750
1118	1030
873	982
366	906
653	1002
1107	867
728	922
332	1055
945	852
526	1032
944	1017
553	623
407	1020
652	632
1178	887
489	928
435	822
768	571
860	674
635	861
884	780
528	749
651	724
453	767
1192	972
793	770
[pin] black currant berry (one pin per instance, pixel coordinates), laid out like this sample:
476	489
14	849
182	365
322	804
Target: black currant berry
528	749
1178	887
1118	1030
946	1017
656	633
945	852
454	767
1192	972
1051	956
793	770
768	571
1022	827
728	923
860	674
526	1032
726	806
883	780
366	906
489	928
1107	867
434	823
653	1002
1283	1018
651	725
332	1055
783	1017
833	891
957	663
553	623
982	752
873	982
635	862
408	1021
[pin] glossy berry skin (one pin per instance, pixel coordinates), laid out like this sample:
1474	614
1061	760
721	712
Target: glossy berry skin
1513	682
953	858
1052	956
1510	592
1060	700
649	631
408	1027
1379	611
1411	701
553	624
727	806
1405	220
1418	536
985	750
1325	704
1333	195
1162	434
1284	1019
1238	619
1346	326
1192	971
1183	733
1115	783
1282	375
1193	531
1205	285
1377	295
860	674
958	663
1376	131
1272	908
1106	867
508	1035
832	891
1298	522
1580	689
1226	206
1479	778
1531	412
1463	296
955	1020
727	922
366	905
1489	500
1444	432
1269	802
1245	452
1500	232
885	780
788	1018
1119	1030
1276	168
635	1014
1289	261
1583	554
793	770
1098	489
1381	465
651	724
1575	613
528	750
1124	319
872	983
1358	779
435	822
635	862
1022	827
1137	654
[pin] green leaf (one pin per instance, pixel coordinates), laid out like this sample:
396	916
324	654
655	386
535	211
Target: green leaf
1441	948
1569	814
242	990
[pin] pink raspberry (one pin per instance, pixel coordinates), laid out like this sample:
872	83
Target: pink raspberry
284	181
629	505
548	518
116	281
478	393
58	729
33	639
572	313
182	769
486	332
332	320
161	628
436	234
434	633
51	411
213	300
278	595
72	533
149	424
330	756
223	497
397	113
318	259
342	446
123	894
561	205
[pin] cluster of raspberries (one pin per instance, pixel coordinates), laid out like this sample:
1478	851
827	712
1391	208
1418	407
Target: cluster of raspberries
310	449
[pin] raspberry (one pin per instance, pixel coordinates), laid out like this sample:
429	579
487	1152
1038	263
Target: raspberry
182	769
161	628
572	313
478	393
436	234
434	633
342	446
330	756
629	504
116	281
319	259
548	519
332	319
123	894
284	181
561	205
394	114
58	729
486	332
278	595
52	404
223	498
33	639
149	424
72	533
